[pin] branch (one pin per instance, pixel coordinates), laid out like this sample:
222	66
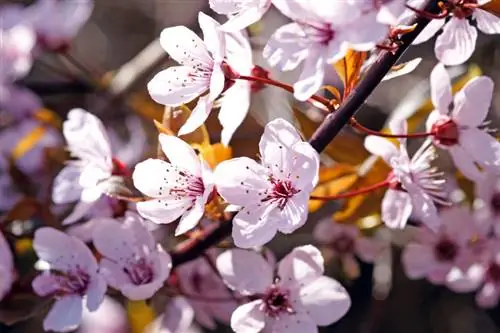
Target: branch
327	131
57	87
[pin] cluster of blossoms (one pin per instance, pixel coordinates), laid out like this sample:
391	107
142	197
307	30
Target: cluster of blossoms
107	240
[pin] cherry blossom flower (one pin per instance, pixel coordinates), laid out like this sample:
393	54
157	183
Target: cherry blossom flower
177	318
110	317
457	41
298	299
57	22
459	131
198	279
345	242
6	267
180	188
16	52
414	183
86	179
458	242
321	33
273	194
70	276
487	201
200	71
242	13
132	263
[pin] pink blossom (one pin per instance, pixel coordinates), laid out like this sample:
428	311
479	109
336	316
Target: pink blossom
345	242
457	42
16	52
179	188
242	13
177	318
456	245
110	317
487	200
198	280
200	70
273	194
70	276
7	274
459	130
414	183
133	263
321	33
297	299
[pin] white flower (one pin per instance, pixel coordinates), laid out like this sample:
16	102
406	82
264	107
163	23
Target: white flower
242	13
297	300
273	194
179	188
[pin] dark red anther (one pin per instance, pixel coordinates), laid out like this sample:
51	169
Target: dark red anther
119	168
258	71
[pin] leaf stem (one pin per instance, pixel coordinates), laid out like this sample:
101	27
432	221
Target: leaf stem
354	123
360	191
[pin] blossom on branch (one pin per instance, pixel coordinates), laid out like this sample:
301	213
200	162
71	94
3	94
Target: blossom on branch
274	194
133	263
70	276
456	123
414	184
180	188
297	299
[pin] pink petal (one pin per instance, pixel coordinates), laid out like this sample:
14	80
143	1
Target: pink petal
244	18
164	210
325	300
482	147
368	249
381	147
244	187
140	229
311	77
199	115
465	281
113	273
248	318
178	317
65	315
464	162
175	86
81	210
488	296
213	37
114	241
66	186
45	284
236	98
418	260
433	117
247	232
473	101
111	317
184	46
365	32
294	214
441	89
301	266
294	323
190	218
245	271
429	31
423	206
286	49
487	22
180	154
96	292
457	42
396	208
325	231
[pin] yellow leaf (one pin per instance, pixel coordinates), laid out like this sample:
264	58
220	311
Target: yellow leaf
28	142
140	315
493	7
214	154
48	117
175	117
349	68
144	106
23	245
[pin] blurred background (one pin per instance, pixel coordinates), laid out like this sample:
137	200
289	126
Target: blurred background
120	38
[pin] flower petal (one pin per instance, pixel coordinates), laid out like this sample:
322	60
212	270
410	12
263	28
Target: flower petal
457	42
294	215
482	147
245	271
286	49
213	37
184	46
96	292
248	318
381	147
164	210
295	323
441	89
65	315
114	241
418	260
325	300
488	296
199	115
473	101
464	162
235	104
429	31
66	186
180	154
312	75
191	217
254	226
301	266
487	22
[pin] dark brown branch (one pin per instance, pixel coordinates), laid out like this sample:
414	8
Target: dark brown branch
57	88
328	130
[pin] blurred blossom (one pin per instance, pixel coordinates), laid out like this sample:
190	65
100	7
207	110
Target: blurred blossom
297	299
274	194
458	243
180	188
487	201
457	123
201	70
110	317
198	279
242	13
15	52
177	318
457	41
345	242
7	273
414	184
70	276
18	102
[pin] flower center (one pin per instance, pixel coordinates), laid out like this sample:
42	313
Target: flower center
445	132
318	34
140	272
462	8
493	272
276	302
446	250
188	185
343	244
495	203
281	192
74	283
